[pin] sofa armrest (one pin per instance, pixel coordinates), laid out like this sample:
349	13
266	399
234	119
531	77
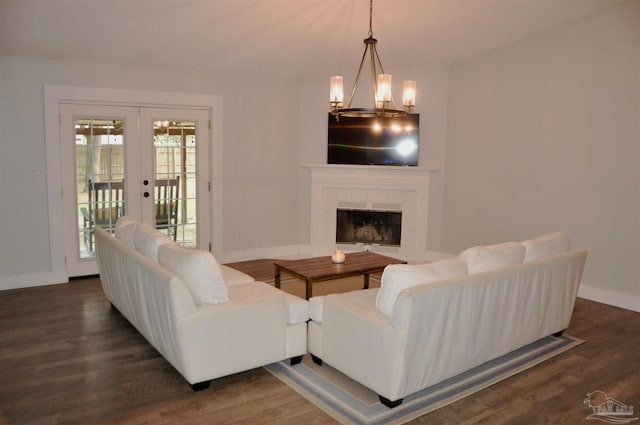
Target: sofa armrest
316	306
297	309
360	342
247	332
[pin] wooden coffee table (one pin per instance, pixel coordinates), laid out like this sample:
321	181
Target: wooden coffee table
320	269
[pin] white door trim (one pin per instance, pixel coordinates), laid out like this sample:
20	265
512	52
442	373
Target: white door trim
54	95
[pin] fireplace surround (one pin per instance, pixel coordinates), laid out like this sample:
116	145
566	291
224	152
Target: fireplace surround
375	188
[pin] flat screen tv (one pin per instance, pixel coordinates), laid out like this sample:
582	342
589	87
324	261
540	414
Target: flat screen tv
373	141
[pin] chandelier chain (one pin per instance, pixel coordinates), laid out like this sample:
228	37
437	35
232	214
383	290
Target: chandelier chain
370	18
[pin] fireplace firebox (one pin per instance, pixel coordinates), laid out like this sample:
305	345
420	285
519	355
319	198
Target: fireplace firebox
368	227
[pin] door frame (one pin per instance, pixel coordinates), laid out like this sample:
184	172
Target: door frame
55	95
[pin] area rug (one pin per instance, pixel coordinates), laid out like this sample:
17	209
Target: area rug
352	404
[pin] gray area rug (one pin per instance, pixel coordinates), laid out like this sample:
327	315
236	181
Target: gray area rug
350	403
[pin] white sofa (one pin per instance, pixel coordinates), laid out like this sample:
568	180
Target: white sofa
432	321
207	320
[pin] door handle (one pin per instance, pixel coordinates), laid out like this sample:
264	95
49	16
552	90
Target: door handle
146	194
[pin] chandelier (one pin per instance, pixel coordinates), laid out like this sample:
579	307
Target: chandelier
383	105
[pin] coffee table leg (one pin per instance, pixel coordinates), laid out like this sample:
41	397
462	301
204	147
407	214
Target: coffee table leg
278	277
366	281
308	291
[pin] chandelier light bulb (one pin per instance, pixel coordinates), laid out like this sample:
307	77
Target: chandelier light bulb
384	88
336	93
409	93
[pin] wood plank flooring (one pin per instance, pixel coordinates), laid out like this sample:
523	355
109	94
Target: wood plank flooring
66	357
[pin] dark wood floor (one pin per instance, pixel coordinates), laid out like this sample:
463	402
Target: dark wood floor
67	358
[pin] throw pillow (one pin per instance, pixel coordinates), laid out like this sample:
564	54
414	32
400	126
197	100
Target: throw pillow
125	227
397	277
199	270
491	257
544	246
147	239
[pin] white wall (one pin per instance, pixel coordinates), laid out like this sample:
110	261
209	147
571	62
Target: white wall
3	95
24	233
260	155
544	135
432	107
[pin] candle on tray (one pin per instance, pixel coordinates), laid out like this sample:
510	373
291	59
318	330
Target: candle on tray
337	256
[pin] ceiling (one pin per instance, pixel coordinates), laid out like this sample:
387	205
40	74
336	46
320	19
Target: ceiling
288	39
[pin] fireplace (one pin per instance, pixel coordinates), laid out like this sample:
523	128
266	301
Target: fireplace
368	227
401	191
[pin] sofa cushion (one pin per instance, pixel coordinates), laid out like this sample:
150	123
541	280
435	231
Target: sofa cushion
233	276
147	239
397	277
546	245
199	270
125	227
491	257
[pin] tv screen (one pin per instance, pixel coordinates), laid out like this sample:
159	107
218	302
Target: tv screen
373	141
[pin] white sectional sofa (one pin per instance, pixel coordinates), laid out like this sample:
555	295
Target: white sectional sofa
207	320
432	321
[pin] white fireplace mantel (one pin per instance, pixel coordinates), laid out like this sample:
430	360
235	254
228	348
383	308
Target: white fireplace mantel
373	187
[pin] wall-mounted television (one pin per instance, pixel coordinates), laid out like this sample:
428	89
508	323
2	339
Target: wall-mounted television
373	141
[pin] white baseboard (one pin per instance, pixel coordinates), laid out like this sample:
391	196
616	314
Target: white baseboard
616	299
278	252
32	279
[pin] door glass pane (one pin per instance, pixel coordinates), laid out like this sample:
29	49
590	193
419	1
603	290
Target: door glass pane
175	199
99	157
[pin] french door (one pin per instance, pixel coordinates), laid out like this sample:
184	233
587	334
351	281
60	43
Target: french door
145	162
